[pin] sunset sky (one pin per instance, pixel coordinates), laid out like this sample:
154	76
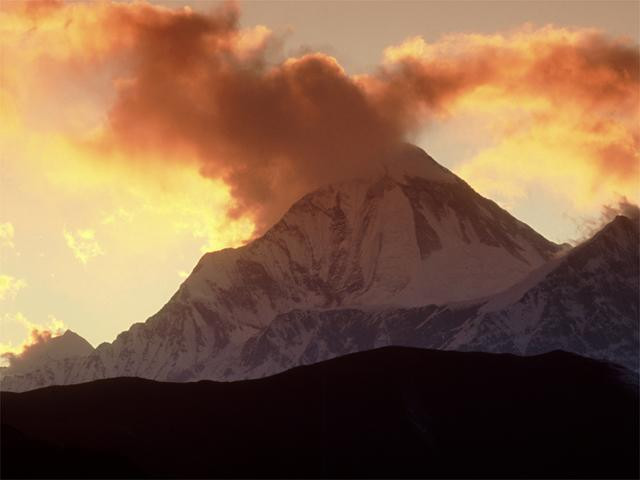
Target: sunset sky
134	137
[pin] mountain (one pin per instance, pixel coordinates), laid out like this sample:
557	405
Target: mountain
410	234
586	302
391	413
66	346
589	304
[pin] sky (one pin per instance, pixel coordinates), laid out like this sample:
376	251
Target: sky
134	137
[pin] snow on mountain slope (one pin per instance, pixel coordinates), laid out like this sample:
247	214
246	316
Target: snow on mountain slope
410	234
586	302
388	239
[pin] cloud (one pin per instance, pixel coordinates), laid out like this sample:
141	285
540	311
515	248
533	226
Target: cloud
274	131
624	208
560	106
10	286
270	130
83	244
6	235
198	91
270	127
35	335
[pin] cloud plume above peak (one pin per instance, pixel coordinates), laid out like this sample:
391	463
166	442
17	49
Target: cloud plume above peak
204	90
198	90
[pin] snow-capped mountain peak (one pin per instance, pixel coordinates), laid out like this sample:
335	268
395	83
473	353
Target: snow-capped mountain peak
411	234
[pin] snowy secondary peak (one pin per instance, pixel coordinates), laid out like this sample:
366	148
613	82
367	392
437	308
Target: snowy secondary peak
67	345
70	343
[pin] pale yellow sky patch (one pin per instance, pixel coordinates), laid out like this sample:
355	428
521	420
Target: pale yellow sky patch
83	244
10	286
6	235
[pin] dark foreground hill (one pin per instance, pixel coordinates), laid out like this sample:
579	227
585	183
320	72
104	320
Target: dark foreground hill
391	412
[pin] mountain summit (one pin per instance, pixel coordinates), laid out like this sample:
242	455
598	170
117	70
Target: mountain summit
413	234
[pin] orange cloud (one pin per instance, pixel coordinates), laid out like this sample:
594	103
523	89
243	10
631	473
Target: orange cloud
270	130
62	65
172	87
198	90
561	106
